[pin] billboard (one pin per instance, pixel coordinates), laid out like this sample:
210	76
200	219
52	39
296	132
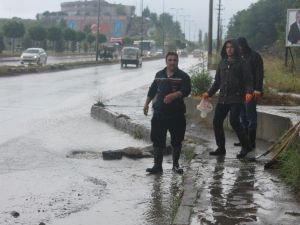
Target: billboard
293	28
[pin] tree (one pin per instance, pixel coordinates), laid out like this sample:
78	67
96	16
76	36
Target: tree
200	39
146	12
80	36
37	33
70	36
262	23
54	35
90	39
120	10
102	38
1	43
13	29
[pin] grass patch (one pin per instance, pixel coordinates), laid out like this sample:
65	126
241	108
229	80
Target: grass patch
189	154
279	78
289	166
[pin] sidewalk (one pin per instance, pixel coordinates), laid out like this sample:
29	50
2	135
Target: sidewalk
221	190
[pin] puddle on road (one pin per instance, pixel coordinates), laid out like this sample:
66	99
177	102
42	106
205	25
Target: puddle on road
242	194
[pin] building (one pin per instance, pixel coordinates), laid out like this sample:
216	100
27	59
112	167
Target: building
114	18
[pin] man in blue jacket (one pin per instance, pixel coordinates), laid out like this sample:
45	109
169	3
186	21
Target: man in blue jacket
169	88
248	112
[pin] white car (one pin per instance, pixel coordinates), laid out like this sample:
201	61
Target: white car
34	55
131	55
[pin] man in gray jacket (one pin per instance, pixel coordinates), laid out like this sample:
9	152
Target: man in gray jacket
234	80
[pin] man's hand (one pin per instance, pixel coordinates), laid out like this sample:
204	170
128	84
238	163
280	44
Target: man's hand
205	96
170	97
248	98
257	95
146	109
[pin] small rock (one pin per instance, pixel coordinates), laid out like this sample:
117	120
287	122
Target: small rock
41	223
15	214
134	153
110	155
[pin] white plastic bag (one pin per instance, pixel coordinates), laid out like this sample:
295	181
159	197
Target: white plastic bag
204	107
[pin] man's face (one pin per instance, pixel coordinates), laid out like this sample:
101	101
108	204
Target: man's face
298	17
229	49
172	62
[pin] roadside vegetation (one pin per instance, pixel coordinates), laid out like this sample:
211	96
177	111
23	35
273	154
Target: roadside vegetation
290	167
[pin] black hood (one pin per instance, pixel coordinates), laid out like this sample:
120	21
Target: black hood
237	53
244	45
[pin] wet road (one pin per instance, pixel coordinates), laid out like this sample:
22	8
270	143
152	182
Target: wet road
45	118
15	61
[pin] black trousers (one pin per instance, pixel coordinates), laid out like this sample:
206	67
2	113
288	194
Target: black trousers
221	112
160	125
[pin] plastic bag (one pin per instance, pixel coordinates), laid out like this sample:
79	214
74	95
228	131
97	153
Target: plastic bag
204	107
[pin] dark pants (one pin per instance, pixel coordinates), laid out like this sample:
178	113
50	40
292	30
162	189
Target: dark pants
221	112
161	124
249	115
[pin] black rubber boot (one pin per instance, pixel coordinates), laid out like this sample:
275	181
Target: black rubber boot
252	138
158	159
244	151
176	156
218	152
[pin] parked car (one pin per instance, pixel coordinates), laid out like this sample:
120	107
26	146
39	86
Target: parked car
131	55
197	53
34	55
183	53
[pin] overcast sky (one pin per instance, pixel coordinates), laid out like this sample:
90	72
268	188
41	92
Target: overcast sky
197	10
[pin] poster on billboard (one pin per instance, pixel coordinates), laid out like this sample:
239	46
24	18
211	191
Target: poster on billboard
293	28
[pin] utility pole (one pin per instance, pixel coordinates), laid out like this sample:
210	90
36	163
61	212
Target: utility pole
142	27
210	26
219	26
163	28
97	36
184	20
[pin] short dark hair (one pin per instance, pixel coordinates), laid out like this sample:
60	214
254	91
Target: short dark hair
172	53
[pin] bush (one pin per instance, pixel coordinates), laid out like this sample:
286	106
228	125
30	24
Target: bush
201	80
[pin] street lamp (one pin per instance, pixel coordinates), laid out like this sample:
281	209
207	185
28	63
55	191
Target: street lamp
163	28
142	27
176	12
184	20
97	36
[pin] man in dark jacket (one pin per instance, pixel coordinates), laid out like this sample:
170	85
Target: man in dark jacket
234	81
294	33
248	112
169	88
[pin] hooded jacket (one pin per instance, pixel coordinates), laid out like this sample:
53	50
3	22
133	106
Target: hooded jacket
233	77
255	62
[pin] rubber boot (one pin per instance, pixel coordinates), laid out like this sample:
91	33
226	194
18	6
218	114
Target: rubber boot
218	152
158	159
252	138
176	156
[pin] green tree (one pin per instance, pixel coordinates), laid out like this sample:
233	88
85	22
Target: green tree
102	38
90	39
37	33
54	35
70	37
13	29
80	36
120	10
1	43
146	12
262	23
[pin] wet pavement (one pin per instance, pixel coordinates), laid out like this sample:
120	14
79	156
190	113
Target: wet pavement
51	166
230	191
